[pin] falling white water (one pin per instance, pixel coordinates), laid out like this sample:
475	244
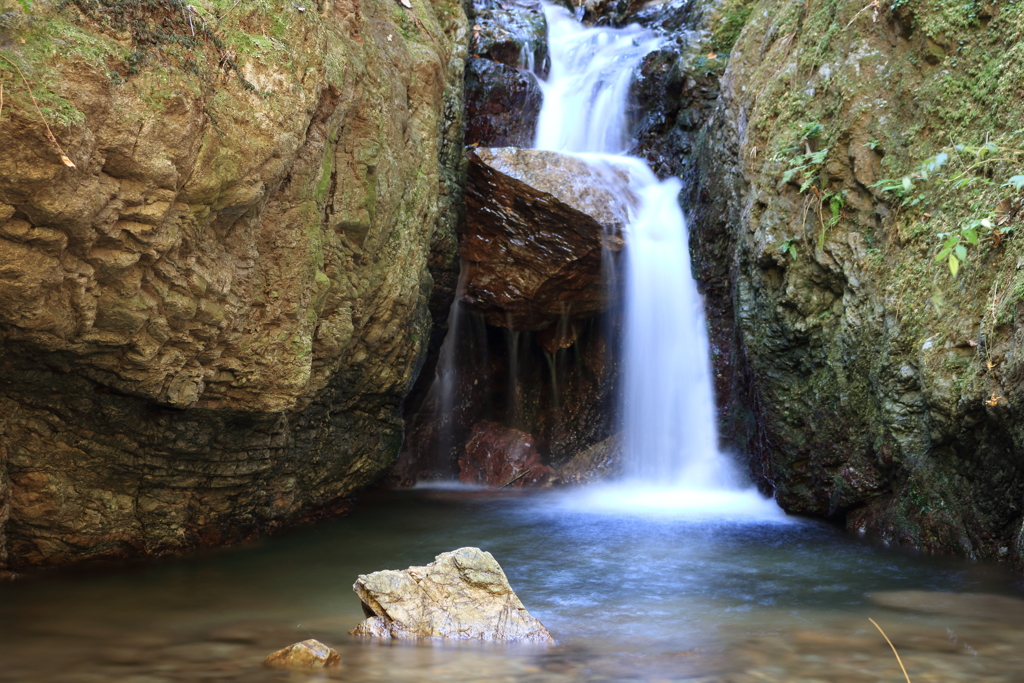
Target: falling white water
669	432
584	106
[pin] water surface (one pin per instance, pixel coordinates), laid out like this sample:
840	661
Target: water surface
628	596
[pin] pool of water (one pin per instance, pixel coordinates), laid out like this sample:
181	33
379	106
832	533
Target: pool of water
629	595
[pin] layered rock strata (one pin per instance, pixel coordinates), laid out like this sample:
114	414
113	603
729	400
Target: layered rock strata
209	325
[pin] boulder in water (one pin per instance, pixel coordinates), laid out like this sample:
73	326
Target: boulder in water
537	226
461	595
309	654
497	455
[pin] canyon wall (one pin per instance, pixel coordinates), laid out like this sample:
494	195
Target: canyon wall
208	325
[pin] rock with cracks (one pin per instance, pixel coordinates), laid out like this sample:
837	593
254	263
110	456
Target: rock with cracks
537	226
461	595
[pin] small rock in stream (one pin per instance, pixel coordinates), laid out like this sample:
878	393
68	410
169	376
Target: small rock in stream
600	462
461	595
309	654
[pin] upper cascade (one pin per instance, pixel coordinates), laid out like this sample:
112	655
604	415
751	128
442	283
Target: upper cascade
587	90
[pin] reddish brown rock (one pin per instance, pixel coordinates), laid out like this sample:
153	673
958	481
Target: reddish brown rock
537	226
497	455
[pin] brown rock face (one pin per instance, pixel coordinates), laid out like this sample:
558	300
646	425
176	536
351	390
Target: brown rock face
461	595
207	328
537	225
501	456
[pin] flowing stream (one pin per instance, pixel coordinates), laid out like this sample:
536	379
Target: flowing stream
693	580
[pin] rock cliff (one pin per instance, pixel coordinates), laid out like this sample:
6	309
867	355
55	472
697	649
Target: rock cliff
854	183
207	328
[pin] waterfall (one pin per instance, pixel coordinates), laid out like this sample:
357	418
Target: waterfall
669	432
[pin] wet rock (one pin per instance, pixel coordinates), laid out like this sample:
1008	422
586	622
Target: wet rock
461	595
600	462
497	455
858	397
514	35
309	654
557	385
502	105
537	226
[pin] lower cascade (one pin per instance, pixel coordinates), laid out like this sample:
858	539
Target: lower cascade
670	439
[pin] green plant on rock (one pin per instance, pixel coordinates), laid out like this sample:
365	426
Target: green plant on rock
835	204
726	27
954	250
788	246
172	31
806	165
959	173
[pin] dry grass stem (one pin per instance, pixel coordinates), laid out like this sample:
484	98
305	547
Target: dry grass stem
875	5
905	675
49	133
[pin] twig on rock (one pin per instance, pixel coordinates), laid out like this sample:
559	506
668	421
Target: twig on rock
514	480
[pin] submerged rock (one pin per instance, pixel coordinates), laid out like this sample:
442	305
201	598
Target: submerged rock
601	461
309	654
497	455
537	226
986	606
461	595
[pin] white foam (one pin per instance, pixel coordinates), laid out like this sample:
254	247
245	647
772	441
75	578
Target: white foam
738	505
